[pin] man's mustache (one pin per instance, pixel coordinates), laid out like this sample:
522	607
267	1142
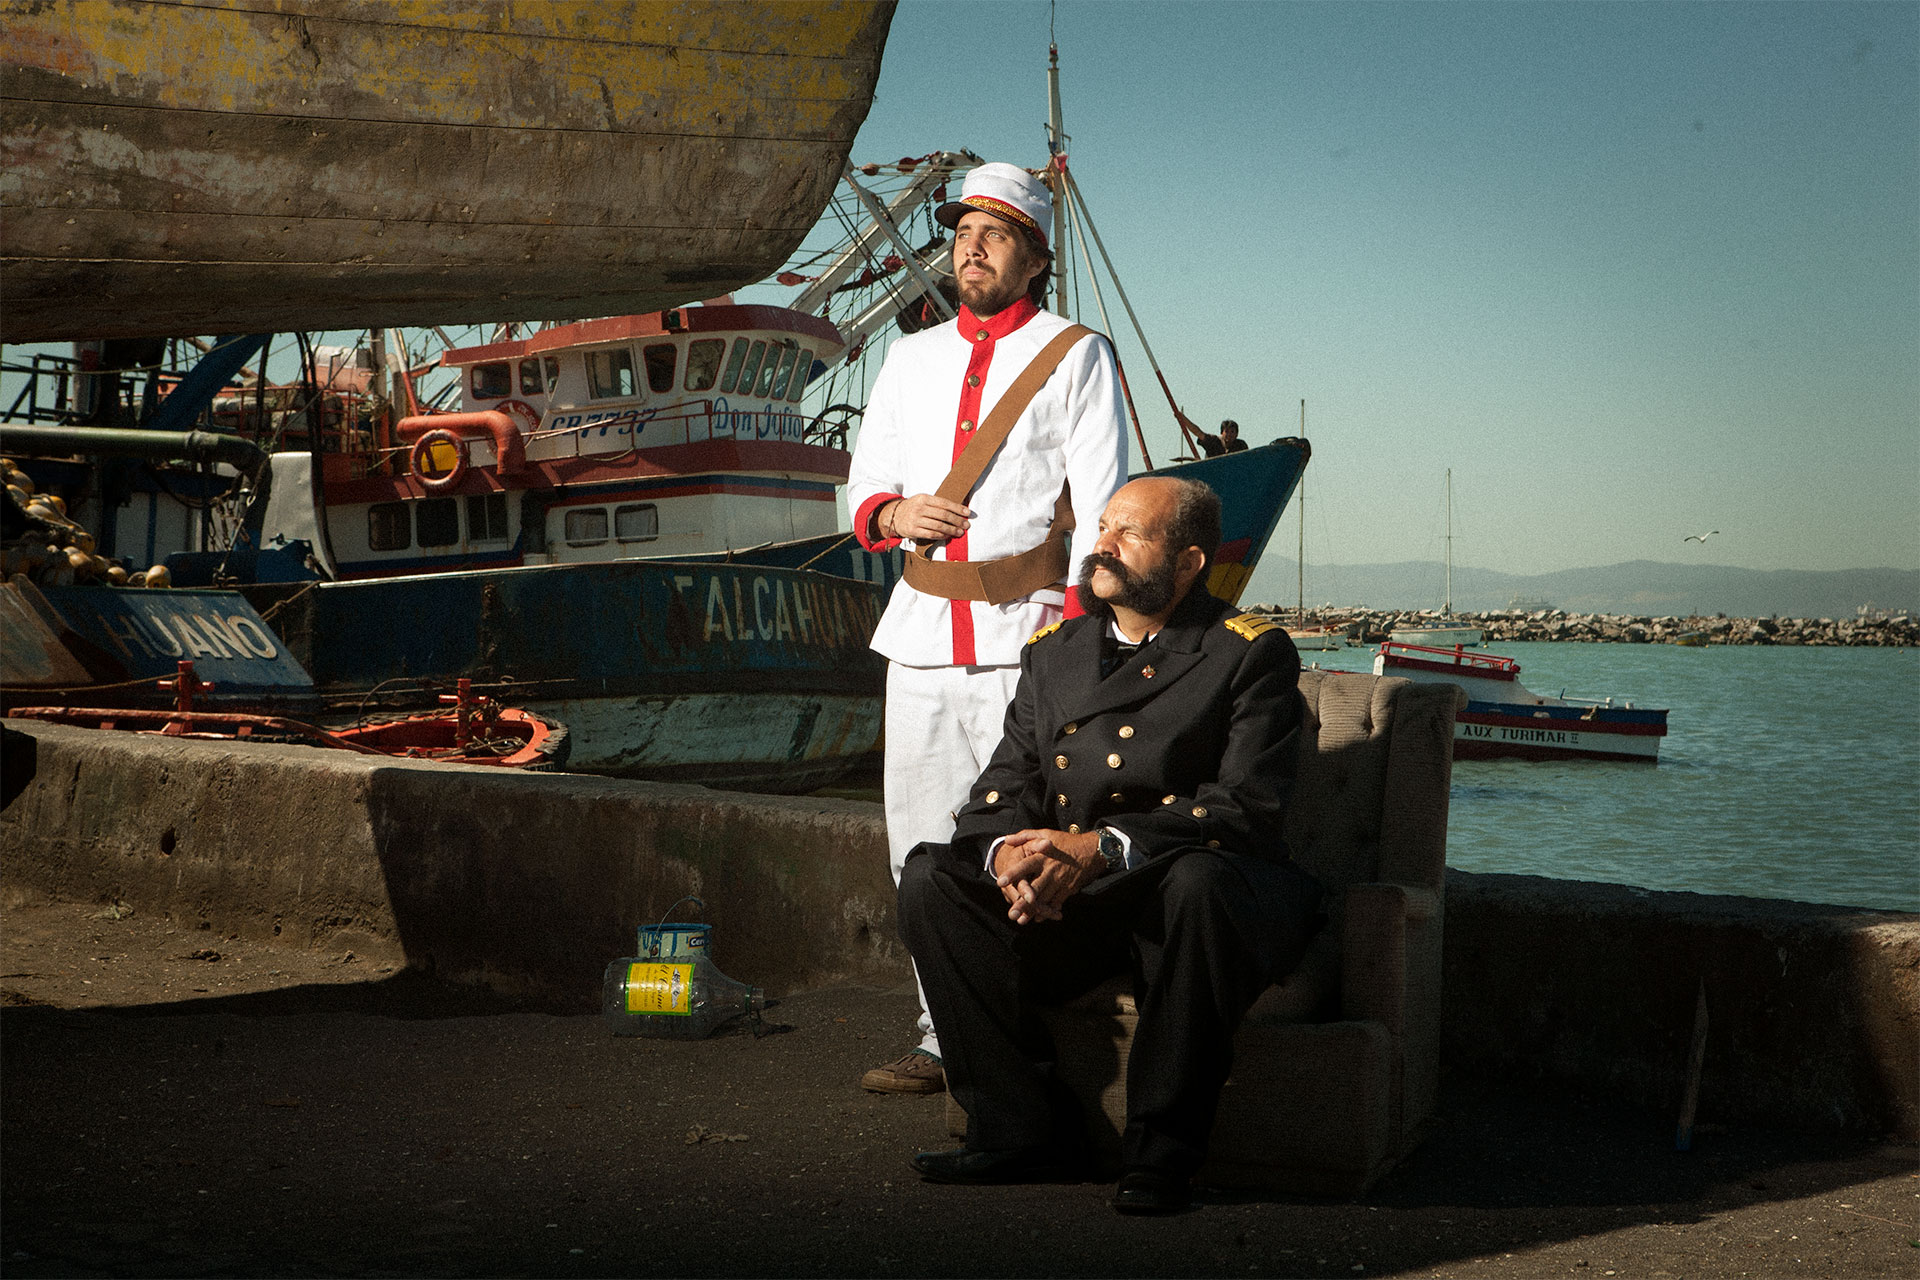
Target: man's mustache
1112	564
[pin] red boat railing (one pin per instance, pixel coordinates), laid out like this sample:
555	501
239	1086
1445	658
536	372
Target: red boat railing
1482	663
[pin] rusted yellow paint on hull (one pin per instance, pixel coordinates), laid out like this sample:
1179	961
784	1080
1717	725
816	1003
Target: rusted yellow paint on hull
172	168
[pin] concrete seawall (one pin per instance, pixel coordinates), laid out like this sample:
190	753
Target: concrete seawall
530	883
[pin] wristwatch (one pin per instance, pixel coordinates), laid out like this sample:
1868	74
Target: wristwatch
1113	851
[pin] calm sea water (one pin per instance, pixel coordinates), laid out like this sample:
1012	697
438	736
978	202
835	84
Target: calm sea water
1786	773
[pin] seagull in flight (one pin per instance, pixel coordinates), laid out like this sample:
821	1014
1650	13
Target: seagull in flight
1700	537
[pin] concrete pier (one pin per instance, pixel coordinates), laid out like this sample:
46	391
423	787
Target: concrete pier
528	884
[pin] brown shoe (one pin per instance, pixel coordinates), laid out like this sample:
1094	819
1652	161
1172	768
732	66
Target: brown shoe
917	1072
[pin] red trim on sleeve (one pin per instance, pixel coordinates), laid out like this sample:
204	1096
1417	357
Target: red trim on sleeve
864	521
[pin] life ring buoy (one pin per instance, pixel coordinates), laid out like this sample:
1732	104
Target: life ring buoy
524	415
438	460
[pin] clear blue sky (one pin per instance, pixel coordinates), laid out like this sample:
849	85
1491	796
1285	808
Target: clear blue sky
1632	271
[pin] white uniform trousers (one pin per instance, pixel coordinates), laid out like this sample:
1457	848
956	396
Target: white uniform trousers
943	724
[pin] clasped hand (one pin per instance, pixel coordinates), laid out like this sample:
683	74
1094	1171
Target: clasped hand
1037	871
925	517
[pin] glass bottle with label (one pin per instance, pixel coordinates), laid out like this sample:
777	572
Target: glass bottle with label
672	990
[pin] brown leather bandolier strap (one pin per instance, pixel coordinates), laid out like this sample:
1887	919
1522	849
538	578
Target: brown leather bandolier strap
1011	577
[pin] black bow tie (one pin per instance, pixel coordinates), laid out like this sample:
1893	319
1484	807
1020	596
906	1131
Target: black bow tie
1119	655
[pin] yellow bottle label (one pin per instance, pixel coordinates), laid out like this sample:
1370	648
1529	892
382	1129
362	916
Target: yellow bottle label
660	988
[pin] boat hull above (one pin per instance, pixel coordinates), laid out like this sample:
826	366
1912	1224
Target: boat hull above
201	167
1503	731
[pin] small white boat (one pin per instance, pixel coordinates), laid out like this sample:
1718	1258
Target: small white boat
1438	637
1317	638
1503	719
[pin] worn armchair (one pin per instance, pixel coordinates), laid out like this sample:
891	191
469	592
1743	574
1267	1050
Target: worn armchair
1335	1070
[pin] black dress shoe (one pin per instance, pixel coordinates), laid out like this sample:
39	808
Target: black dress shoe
965	1167
1150	1191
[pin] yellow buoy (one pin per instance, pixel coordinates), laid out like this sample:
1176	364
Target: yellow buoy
158	576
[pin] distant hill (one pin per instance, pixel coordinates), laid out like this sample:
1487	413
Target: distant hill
1635	587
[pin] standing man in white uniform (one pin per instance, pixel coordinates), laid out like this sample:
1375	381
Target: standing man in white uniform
953	662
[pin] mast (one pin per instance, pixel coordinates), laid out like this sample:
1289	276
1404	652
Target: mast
1449	608
1300	608
1056	162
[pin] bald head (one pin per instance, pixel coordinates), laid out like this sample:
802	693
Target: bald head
1157	536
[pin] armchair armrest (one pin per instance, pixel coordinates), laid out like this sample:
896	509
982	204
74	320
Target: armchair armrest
1373	979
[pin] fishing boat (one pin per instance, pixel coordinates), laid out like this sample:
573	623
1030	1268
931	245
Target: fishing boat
196	167
628	524
1503	719
1443	632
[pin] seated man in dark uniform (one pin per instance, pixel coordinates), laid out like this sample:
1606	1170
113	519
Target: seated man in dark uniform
1129	821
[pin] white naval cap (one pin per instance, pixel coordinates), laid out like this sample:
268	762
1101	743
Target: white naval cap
1006	191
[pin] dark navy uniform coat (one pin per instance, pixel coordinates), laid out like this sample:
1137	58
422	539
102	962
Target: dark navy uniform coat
1189	744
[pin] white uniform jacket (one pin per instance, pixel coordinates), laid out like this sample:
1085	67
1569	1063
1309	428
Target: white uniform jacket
935	388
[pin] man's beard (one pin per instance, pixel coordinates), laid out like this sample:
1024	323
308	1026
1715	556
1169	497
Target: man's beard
1148	593
988	297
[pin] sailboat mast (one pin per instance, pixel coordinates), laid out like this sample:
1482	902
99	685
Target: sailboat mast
1300	607
1449	609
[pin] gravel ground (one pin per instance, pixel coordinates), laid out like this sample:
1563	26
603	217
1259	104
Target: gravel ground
177	1103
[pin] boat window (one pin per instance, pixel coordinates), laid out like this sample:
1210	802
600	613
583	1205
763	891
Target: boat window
639	523
487	517
388	528
553	372
733	365
436	522
611	373
703	363
802	370
660	357
786	372
586	526
490	381
751	367
531	384
767	371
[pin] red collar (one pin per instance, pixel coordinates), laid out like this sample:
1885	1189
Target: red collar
995	327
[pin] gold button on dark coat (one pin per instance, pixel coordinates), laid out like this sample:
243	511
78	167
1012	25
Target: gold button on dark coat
1062	800
1199	811
1113	762
1213	844
993	797
1072	727
1073	828
1168	799
1126	731
1059	762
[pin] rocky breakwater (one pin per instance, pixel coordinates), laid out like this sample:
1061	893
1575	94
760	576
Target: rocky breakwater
1370	625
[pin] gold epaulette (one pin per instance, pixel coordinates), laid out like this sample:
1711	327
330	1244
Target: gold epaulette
1250	626
1045	631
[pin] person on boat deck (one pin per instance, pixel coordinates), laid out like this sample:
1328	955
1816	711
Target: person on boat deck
1230	441
1129	823
953	662
1210	445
